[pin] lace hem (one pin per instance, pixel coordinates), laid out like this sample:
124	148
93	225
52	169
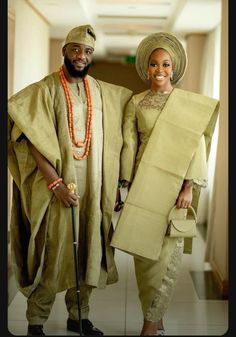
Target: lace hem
164	293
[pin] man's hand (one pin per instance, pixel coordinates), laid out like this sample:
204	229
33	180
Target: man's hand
64	195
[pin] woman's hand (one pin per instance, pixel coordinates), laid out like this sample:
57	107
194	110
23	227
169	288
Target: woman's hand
64	195
186	195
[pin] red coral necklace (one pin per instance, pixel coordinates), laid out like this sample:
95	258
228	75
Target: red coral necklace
70	115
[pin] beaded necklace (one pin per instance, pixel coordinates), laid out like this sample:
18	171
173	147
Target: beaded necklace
70	115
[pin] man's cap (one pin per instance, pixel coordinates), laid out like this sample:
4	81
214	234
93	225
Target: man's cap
82	35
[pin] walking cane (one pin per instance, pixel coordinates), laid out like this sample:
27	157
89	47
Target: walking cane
72	188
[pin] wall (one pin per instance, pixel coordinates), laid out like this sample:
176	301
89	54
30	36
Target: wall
118	73
195	49
56	59
31	45
217	252
10	47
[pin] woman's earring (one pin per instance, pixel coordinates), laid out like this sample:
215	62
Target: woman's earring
171	76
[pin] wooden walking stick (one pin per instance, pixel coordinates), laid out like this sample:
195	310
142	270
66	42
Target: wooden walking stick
72	188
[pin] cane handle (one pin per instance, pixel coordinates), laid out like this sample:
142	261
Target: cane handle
71	187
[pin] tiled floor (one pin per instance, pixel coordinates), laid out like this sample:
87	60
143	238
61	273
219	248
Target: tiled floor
116	309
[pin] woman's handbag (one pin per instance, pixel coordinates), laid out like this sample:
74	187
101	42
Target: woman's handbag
185	228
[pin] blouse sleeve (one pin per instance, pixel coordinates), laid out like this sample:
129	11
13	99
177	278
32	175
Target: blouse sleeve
130	142
197	170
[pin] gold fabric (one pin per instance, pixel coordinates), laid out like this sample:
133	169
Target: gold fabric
89	177
82	35
40	302
156	279
166	41
41	234
163	166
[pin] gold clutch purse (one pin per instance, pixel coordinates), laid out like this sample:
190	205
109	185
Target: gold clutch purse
185	228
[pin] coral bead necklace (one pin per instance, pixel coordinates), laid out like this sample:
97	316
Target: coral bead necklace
70	114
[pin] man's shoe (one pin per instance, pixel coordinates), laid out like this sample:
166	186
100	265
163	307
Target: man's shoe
35	330
87	327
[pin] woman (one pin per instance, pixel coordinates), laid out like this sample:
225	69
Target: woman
165	132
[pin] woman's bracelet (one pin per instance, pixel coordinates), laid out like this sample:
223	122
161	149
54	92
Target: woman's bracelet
54	184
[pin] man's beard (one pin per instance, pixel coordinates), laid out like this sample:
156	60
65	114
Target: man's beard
72	71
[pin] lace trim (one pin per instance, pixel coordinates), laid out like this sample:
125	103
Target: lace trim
164	293
154	100
200	182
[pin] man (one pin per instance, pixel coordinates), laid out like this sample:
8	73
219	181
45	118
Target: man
64	129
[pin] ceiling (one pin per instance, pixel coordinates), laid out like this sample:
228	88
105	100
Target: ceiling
121	24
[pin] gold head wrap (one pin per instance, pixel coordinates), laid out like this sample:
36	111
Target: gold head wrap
165	41
82	35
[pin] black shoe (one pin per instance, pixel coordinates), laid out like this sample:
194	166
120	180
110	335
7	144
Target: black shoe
35	330
87	327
